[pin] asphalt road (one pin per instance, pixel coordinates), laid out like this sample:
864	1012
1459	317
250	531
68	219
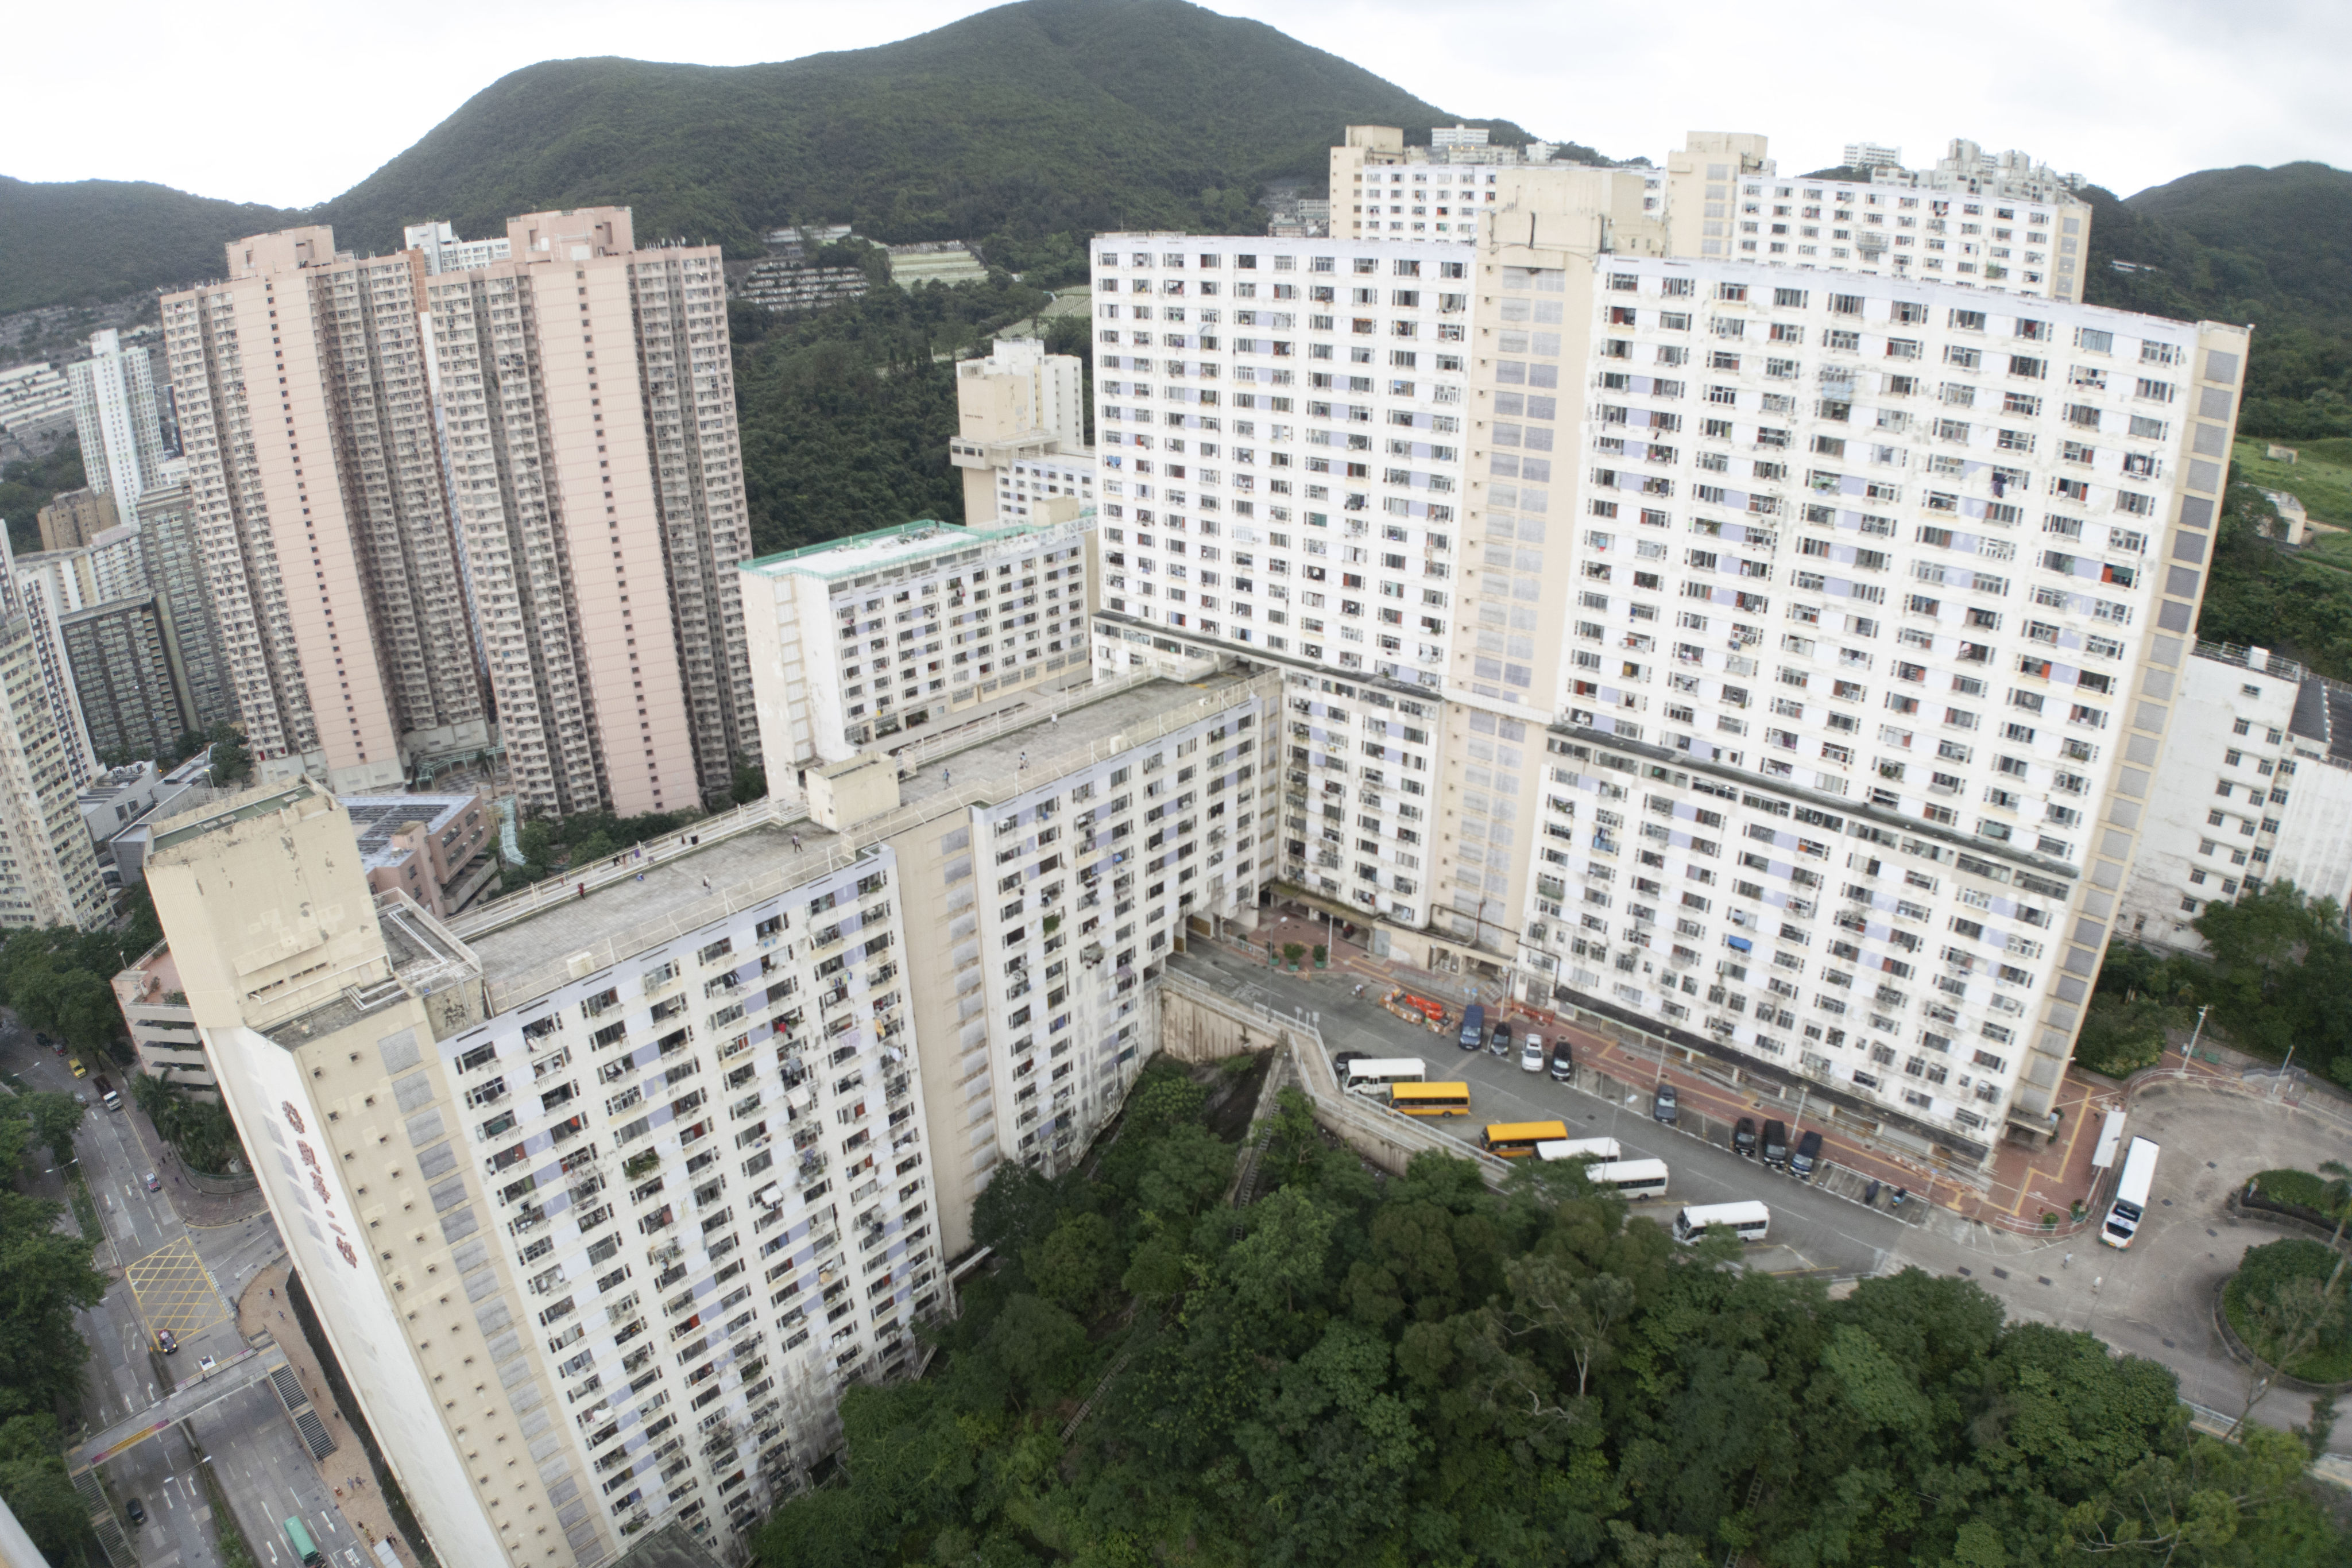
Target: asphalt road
186	1279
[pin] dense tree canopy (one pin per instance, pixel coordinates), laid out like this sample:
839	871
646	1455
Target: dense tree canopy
2277	967
1421	1370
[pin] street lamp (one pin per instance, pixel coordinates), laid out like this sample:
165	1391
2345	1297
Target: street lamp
2188	1056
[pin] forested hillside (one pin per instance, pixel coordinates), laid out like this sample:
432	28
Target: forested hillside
95	240
1029	119
2268	246
1425	1372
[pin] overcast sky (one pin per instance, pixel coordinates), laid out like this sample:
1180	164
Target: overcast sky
2130	92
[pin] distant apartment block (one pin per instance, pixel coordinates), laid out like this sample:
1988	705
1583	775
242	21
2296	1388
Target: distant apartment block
1021	432
316	483
602	573
77	517
2007	224
172	569
888	634
2254	786
49	871
443	251
34	397
133	702
118	416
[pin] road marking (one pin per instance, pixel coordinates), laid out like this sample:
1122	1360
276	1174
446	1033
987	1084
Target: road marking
175	1290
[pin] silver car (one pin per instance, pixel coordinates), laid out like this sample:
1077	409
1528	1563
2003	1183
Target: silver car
1531	1054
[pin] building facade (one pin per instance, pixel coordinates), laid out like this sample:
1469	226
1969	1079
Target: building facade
174	570
132	702
444	252
1021	435
117	417
77	517
315	479
884	633
685	1152
439	850
588	394
2254	786
2008	225
51	875
677	1199
162	1026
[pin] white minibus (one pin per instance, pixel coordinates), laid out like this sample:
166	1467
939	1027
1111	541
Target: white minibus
2131	1194
1745	1220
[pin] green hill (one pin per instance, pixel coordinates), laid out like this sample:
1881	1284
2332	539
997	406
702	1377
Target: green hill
95	240
1045	117
2270	246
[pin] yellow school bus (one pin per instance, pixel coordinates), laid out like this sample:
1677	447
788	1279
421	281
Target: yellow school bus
1431	1099
1516	1140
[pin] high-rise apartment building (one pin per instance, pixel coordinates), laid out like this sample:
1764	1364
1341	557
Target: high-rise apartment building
1381	188
1705	516
315	477
626	1187
43	588
1880	594
1021	436
1280	425
117	414
174	570
2008	223
588	395
884	633
48	870
133	702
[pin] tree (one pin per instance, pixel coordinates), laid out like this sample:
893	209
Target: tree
749	784
2281	1324
45	1278
232	764
33	1480
1037	1343
1074	1263
55	1118
1189	1168
1282	1256
1549	1297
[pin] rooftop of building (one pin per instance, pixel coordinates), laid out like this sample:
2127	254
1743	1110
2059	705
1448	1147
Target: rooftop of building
1007	753
107	786
636	910
529	951
876	549
153	977
376	817
424	956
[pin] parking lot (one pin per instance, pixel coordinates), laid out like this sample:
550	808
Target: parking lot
1814	1228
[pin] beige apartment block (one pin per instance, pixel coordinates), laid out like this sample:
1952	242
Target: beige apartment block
588	394
1021	434
76	517
2007	225
605	1196
1876	596
118	420
602	1204
315	475
898	630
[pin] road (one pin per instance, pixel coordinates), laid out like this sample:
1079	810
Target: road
168	1274
2152	1301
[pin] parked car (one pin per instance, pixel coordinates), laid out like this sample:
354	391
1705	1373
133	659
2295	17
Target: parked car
1743	1138
1563	1063
1474	1028
1339	1062
1775	1146
1499	1042
1666	1107
74	1062
154	1182
1808	1158
136	1510
206	1365
166	1342
40	1038
1531	1054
